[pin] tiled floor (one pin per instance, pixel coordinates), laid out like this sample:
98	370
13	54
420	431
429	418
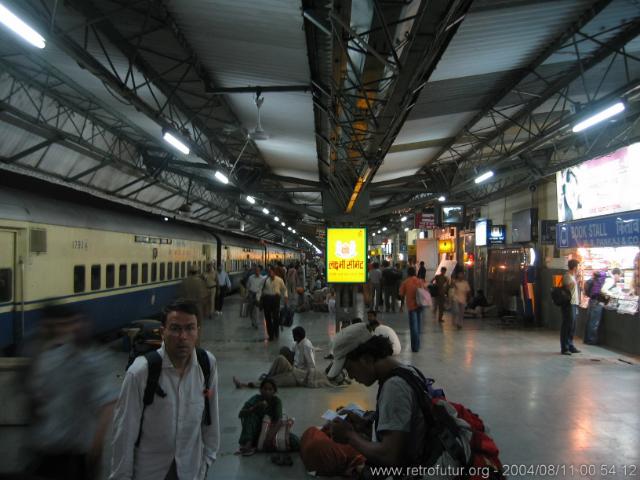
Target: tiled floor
542	408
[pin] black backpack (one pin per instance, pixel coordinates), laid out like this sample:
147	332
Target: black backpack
560	296
153	384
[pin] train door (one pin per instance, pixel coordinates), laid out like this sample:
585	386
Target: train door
9	298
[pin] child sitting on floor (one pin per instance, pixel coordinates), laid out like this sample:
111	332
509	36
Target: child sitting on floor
251	414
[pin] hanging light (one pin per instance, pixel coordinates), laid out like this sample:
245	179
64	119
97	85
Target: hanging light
251	200
441	198
12	22
222	178
265	211
276	218
485	176
601	116
403	219
176	143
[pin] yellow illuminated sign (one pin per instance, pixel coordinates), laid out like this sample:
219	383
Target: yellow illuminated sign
346	255
446	246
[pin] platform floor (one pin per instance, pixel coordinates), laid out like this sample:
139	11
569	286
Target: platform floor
542	408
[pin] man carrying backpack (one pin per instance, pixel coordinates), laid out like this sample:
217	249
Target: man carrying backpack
166	420
415	426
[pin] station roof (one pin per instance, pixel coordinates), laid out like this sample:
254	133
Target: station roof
368	110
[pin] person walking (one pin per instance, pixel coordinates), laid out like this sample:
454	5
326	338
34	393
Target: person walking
569	310
177	435
408	291
255	283
375	286
272	292
460	292
211	282
442	286
194	290
422	271
224	284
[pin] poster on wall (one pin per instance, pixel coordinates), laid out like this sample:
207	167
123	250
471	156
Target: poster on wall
600	186
425	220
346	255
498	235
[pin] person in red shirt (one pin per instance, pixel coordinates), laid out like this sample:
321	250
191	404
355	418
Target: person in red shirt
408	291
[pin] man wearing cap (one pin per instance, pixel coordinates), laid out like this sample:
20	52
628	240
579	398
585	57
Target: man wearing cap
399	433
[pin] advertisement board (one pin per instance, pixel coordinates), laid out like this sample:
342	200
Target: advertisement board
346	255
481	232
425	220
601	186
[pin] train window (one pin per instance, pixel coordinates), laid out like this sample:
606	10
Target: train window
122	275
78	279
182	269
169	270
162	267
154	271
200	266
134	274
176	267
6	284
95	277
145	273
110	276
188	267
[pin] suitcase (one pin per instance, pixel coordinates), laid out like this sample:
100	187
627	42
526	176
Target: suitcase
244	309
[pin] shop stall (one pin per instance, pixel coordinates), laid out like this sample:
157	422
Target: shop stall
600	227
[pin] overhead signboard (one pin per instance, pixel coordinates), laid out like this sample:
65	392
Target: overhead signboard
346	255
601	186
497	235
425	220
618	230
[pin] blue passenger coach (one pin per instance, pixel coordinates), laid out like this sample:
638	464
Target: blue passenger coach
117	267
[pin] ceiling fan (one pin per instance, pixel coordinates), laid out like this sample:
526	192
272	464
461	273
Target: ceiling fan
258	133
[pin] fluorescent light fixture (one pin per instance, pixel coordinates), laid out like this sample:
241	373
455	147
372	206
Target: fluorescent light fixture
485	176
384	229
221	177
283	224
250	199
379	231
599	117
276	218
293	230
265	211
12	22
406	229
442	198
166	219
403	219
289	228
177	144
374	234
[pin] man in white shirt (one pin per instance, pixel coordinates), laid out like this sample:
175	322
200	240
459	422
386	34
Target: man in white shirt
224	284
273	290
177	435
255	283
570	310
304	356
383	330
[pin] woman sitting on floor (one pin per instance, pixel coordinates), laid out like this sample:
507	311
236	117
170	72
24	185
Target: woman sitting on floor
252	413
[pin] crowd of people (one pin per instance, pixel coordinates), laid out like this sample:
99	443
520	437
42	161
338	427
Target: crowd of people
166	420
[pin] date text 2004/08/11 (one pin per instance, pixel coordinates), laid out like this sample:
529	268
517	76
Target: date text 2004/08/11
571	470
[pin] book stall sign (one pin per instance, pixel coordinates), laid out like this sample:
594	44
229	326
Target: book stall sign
616	230
346	255
425	221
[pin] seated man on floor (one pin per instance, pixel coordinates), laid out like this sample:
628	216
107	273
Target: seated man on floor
295	368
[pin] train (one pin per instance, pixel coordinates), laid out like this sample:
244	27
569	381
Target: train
115	264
